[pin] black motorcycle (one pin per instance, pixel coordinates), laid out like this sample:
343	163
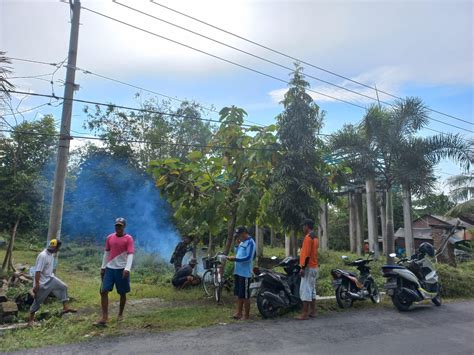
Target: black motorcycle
277	291
350	287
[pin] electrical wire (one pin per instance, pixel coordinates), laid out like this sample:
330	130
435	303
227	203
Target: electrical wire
299	60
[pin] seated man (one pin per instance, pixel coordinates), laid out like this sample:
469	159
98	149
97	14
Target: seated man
181	249
184	276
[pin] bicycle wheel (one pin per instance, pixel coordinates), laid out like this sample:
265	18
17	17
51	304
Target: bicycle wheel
218	284
208	283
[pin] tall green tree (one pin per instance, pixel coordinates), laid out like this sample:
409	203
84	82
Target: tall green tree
297	181
24	156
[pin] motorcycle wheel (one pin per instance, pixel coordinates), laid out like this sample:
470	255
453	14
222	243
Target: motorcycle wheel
341	296
374	293
437	300
401	304
265	307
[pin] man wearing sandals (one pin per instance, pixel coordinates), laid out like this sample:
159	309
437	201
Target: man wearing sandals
115	270
309	270
244	256
45	282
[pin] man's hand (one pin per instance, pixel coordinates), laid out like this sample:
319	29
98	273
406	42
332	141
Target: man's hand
126	274
102	273
302	272
231	258
36	289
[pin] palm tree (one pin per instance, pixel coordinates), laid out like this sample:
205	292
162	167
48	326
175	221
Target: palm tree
5	85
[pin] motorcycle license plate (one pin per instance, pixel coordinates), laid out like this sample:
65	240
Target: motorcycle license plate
254	285
390	285
336	283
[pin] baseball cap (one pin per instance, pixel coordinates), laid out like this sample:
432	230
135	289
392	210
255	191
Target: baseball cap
308	222
121	221
53	243
239	230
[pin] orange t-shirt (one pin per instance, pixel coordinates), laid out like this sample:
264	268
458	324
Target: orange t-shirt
309	249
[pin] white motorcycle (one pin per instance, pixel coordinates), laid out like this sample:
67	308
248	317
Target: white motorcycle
413	280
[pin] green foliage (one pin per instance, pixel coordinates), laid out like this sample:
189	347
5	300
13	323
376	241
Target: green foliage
433	204
457	281
23	159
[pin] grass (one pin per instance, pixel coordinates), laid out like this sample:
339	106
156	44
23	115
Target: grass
154	305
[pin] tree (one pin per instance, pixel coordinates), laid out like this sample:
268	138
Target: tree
24	155
437	204
5	85
297	183
211	186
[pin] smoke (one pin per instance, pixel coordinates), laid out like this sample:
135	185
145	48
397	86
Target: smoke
105	189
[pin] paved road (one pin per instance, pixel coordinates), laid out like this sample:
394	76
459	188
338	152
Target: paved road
379	330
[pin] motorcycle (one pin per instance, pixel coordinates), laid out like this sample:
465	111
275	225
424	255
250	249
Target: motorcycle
277	291
349	287
413	280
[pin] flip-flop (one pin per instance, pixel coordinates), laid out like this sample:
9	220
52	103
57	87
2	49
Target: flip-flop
69	310
300	318
236	317
100	323
311	316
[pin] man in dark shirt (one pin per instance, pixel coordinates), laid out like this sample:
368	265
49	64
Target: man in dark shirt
181	249
184	276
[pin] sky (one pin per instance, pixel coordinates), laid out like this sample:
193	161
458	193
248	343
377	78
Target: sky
405	48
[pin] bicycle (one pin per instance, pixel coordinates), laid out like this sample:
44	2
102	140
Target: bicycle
213	280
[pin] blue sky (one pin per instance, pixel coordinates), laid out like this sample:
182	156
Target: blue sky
422	48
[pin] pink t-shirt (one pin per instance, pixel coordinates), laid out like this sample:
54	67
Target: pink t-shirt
118	248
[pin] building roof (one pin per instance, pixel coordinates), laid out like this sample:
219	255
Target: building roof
418	233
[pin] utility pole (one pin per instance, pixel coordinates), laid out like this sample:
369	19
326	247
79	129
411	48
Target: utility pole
56	214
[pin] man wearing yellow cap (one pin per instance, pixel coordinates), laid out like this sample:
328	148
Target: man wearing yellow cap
46	282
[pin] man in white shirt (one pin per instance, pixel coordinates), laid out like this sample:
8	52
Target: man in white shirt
45	282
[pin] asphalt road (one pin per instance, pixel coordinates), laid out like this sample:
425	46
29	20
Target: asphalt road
448	329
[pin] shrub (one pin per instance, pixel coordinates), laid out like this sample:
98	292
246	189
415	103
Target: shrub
457	281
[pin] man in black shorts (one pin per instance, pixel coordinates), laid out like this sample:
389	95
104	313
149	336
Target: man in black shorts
184	276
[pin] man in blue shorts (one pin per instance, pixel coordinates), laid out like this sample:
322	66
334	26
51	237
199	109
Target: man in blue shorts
244	256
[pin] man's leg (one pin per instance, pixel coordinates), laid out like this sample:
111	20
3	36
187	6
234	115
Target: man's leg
40	296
313	309
104	302
59	289
123	300
247	308
304	315
240	306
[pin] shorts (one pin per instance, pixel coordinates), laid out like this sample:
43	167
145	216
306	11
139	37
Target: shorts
178	282
242	287
115	277
308	285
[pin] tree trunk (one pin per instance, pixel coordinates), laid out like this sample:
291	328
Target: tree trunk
389	220
230	232
372	216
383	221
324	226
359	214
8	260
407	222
352	222
210	246
259	241
272	237
290	242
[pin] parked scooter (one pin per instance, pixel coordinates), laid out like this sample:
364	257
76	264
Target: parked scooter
276	291
349	287
413	280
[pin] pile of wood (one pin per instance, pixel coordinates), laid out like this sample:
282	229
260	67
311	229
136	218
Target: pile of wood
19	279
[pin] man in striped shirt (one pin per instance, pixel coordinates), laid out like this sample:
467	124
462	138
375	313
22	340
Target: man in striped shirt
115	270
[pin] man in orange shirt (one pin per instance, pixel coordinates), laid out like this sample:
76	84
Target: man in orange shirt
309	270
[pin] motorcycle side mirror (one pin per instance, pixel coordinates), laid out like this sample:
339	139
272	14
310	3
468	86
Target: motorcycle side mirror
344	257
273	257
392	255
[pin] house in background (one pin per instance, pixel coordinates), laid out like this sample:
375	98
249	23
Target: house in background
431	228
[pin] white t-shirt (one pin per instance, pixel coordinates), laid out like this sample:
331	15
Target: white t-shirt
45	265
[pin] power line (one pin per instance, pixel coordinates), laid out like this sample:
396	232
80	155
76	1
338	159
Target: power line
249	53
121	107
88	72
241	65
299	60
217	57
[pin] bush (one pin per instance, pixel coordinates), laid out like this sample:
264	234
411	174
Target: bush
457	281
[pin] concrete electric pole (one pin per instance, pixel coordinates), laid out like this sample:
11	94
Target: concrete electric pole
55	218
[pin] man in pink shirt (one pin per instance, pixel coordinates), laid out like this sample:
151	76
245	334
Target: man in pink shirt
115	270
